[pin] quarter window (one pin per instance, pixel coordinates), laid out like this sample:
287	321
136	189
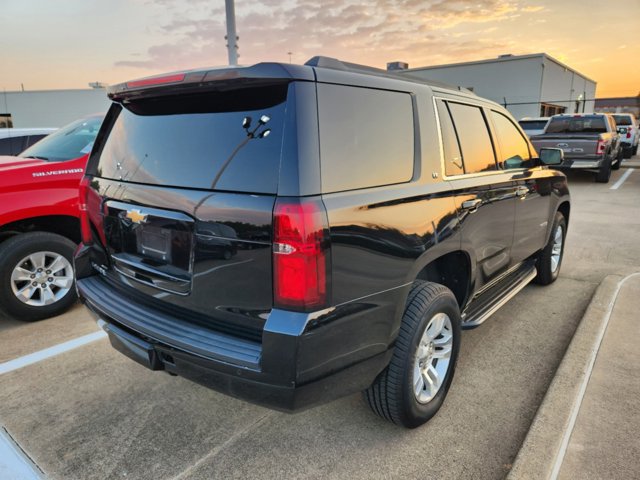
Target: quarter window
514	149
473	135
366	137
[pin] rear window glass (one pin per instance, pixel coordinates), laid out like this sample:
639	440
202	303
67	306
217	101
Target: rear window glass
222	141
70	142
366	137
622	119
532	124
584	124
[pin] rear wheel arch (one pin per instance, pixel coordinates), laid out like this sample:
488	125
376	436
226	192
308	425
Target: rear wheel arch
565	208
453	270
64	225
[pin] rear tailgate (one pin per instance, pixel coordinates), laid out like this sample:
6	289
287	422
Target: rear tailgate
574	146
187	187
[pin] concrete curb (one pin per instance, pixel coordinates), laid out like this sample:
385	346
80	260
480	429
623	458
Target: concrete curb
542	445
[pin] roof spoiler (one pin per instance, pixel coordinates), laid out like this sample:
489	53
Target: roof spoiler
210	79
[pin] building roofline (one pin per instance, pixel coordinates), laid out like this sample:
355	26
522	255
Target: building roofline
502	59
54	90
632	97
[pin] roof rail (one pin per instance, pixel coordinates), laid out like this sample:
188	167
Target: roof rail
335	64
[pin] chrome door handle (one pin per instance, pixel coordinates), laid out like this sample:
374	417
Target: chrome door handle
522	192
471	204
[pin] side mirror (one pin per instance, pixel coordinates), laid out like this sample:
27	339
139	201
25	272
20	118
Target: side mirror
551	156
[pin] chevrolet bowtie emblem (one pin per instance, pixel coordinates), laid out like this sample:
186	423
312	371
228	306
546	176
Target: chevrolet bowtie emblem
136	216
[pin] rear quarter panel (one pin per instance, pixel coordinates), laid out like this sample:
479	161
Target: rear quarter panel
381	238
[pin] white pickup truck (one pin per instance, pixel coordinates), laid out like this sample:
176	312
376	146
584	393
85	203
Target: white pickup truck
590	141
629	132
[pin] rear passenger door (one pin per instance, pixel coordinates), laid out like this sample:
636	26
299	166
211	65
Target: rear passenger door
533	187
484	195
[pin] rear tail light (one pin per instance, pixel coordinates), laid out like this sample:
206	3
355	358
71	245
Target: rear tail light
301	254
628	133
85	224
601	147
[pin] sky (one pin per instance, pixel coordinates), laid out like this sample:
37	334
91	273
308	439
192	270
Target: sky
52	44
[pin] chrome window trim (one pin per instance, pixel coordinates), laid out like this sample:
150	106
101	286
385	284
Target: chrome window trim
443	170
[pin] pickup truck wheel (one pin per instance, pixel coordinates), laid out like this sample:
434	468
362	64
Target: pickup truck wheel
550	259
604	174
621	156
413	386
36	275
634	151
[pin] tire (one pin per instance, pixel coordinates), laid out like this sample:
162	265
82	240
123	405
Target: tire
604	174
621	156
30	254
393	395
635	150
550	259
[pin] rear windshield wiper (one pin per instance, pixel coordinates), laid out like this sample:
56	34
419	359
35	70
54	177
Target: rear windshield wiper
37	157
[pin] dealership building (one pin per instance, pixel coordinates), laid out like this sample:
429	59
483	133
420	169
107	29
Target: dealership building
50	108
534	85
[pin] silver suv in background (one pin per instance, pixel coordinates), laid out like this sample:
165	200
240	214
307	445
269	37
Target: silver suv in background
629	132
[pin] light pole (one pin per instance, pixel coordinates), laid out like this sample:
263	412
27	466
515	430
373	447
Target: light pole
232	38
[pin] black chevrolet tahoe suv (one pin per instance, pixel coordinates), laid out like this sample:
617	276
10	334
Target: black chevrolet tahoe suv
291	234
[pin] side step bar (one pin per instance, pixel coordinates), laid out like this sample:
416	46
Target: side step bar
492	300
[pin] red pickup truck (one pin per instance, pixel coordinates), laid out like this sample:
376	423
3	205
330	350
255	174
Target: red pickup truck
39	221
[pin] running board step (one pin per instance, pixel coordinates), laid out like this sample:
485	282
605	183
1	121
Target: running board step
487	304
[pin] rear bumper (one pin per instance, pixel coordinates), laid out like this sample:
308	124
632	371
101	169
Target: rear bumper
581	163
269	373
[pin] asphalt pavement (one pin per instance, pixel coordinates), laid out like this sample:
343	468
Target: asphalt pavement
92	413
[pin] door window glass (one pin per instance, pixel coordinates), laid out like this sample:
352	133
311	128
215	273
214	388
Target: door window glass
514	149
451	149
473	135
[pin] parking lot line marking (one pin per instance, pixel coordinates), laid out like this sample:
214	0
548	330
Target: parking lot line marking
621	180
36	357
14	462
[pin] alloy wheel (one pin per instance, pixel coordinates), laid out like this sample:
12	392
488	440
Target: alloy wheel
556	250
432	358
42	278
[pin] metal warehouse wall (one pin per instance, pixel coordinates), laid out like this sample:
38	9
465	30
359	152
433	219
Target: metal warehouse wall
523	83
560	83
52	108
518	80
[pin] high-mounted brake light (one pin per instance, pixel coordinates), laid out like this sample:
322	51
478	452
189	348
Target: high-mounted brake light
85	224
301	268
146	82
